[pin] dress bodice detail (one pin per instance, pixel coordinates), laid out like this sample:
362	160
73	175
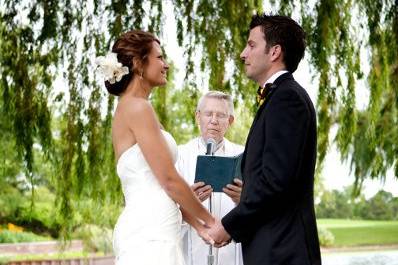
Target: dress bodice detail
151	220
134	172
132	159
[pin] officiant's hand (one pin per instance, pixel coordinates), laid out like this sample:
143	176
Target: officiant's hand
234	190
201	190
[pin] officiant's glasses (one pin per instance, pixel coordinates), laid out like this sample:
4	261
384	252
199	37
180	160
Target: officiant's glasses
218	115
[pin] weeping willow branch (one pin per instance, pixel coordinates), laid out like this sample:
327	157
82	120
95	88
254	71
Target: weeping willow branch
60	40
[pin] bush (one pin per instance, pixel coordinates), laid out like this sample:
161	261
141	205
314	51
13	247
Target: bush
7	236
95	238
16	207
326	238
10	201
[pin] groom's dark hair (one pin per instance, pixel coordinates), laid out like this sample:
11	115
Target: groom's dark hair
283	31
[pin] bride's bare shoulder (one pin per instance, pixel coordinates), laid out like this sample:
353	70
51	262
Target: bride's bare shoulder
134	106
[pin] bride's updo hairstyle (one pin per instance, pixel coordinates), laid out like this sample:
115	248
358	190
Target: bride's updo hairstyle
135	44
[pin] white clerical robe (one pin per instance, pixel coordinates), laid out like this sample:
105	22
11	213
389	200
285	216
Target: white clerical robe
195	250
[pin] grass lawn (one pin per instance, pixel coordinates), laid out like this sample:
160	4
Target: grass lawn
5	258
361	232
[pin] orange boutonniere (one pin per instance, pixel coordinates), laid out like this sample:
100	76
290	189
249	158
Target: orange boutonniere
262	93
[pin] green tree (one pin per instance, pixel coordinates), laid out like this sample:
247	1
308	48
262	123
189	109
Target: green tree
394	208
379	207
41	40
335	204
342	204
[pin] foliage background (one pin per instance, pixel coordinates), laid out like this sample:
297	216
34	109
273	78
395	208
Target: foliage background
61	139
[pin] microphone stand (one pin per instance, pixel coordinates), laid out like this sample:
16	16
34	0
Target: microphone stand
210	256
210	151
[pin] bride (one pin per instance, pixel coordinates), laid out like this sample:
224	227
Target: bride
148	229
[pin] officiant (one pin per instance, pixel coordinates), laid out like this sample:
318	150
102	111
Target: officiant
214	115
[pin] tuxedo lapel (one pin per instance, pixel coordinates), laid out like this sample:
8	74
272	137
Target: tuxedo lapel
274	87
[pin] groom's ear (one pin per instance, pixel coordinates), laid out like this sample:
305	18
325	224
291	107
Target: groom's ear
276	52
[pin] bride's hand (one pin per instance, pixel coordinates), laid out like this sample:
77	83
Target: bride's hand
203	233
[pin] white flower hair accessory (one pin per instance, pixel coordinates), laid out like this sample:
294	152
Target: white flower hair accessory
110	68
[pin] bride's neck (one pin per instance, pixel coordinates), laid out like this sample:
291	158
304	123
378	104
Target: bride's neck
138	88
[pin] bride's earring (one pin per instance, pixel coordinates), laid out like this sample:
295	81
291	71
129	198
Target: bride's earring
142	75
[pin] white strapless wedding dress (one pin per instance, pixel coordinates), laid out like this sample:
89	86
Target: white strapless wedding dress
148	230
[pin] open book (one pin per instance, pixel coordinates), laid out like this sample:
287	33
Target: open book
218	171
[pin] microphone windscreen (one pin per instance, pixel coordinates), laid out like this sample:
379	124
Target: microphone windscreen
210	146
211	141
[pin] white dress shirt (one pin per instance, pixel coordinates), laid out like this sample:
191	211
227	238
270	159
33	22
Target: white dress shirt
274	77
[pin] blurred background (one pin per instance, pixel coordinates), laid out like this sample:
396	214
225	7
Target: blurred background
59	193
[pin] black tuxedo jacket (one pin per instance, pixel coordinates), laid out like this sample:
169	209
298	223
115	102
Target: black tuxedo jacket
275	219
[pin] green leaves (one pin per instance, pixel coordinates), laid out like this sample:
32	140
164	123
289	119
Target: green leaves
60	39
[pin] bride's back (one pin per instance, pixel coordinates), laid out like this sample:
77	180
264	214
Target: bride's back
122	136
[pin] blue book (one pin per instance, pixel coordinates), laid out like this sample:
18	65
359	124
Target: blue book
218	171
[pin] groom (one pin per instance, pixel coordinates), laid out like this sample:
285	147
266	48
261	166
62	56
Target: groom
275	219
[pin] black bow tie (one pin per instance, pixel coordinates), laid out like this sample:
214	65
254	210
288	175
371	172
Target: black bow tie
263	92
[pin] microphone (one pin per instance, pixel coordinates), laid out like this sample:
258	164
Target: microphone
210	146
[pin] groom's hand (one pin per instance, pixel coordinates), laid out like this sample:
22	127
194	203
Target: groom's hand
201	190
234	190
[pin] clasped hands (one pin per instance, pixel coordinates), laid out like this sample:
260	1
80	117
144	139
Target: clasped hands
215	234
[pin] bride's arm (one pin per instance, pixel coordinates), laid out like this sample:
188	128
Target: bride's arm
145	127
201	229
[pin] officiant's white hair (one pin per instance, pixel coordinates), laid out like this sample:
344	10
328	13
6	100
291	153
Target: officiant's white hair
217	95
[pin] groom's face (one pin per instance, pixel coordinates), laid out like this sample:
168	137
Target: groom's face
255	56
